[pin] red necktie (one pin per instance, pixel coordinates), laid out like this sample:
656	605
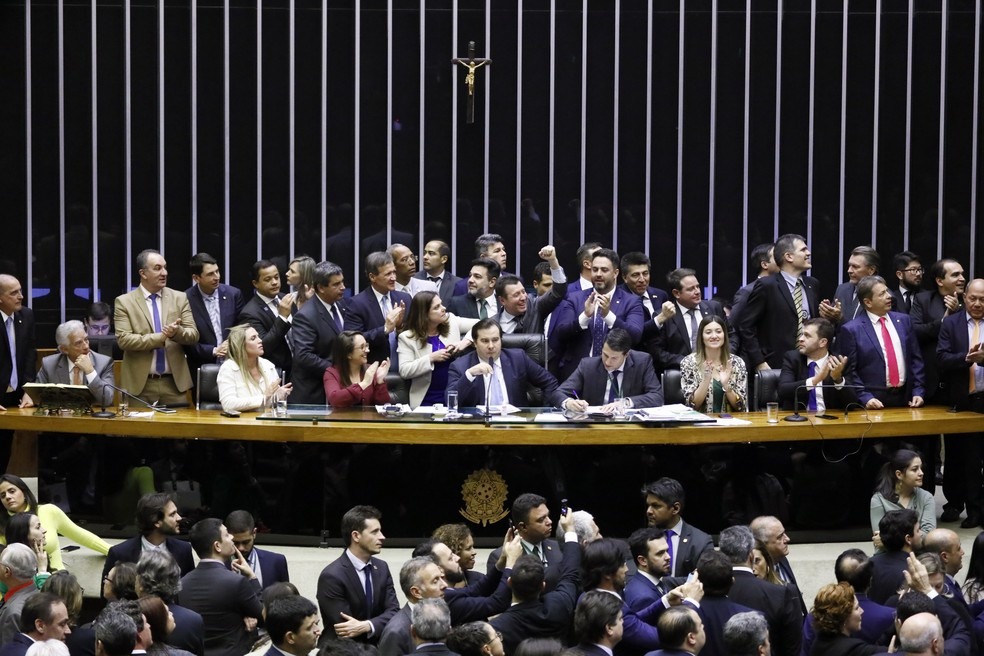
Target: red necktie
893	363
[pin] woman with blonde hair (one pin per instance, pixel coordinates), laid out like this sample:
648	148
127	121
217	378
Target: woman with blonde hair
300	276
247	380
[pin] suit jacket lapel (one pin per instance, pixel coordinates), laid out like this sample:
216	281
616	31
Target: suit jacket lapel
61	370
869	331
356	585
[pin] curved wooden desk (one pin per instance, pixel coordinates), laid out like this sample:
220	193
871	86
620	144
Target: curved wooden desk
358	427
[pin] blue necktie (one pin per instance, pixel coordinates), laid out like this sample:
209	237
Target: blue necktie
811	404
598	332
495	390
159	362
613	391
367	570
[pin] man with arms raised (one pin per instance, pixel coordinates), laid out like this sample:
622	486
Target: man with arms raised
158	521
523	312
355	592
531	518
678	336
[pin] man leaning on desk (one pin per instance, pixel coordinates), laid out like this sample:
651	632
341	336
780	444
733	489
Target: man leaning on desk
75	364
618	373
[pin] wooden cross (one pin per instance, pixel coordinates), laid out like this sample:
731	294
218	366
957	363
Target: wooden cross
472	64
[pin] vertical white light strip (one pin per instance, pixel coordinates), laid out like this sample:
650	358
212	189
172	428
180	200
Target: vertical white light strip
226	140
292	16
940	211
874	127
389	122
357	193
775	199
423	141
324	129
61	159
843	137
679	195
973	149
615	108
194	135
552	122
160	125
259	129
454	131
810	146
745	140
649	124
908	126
128	144
94	91
712	135
584	115
488	117
28	154
519	127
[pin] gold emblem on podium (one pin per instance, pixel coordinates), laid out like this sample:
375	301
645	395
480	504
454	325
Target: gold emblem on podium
484	493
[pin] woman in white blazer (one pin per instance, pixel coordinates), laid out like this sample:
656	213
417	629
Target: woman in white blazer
246	380
426	348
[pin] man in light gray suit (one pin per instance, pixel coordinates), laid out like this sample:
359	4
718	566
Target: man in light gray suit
18	565
75	364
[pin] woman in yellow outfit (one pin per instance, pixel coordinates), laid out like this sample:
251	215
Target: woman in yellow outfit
16	497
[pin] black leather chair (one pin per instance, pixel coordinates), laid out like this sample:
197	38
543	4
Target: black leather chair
766	388
535	346
672	381
207	388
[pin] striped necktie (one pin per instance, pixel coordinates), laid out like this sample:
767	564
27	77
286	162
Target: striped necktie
798	302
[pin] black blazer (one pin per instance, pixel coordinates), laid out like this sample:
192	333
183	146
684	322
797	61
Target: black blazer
776	602
433	649
716	611
836	644
898	301
639	382
272	330
793	377
928	311
887	575
466	306
27	354
189	630
313	336
484	596
340	591
129	551
223	599
951	353
230	306
672	341
273	567
366	316
446	289
395	639
693	543
767	324
537	309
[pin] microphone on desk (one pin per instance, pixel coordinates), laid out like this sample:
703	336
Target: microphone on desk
796	416
152	406
488	391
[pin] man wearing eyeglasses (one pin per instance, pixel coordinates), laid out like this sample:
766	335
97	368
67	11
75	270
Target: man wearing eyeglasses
909	270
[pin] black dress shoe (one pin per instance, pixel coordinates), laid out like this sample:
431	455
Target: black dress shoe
952	515
972	521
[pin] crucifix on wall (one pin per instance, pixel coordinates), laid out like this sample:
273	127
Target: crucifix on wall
472	63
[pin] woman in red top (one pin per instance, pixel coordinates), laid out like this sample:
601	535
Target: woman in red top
348	381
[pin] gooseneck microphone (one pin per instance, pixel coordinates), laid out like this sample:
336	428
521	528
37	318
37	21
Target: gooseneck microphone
163	411
796	416
488	392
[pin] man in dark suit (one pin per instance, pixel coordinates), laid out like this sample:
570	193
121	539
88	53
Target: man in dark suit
316	325
618	373
930	308
480	301
435	260
769	531
747	634
772	320
378	309
355	591
682	632
651	556
715	574
677	338
488	246
598	623
430	624
853	566
814	367
44	617
523	312
909	271
635	269
293	626
507	378
863	262
18	356
535	613
900	536
420	578
776	602
159	575
157	519
761	265
946	544
665	499
584	255
215	307
269	566
530	517
961	364
580	323
224	598
269	314
75	364
875	338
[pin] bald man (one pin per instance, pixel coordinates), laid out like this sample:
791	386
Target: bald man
921	635
18	356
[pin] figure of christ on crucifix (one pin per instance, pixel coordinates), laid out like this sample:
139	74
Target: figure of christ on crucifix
472	64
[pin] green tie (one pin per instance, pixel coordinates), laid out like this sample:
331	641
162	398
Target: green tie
483	309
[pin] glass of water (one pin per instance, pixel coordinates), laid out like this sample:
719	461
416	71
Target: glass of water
452	398
280	406
124	406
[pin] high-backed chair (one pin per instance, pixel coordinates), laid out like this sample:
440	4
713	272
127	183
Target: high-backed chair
207	388
766	388
672	382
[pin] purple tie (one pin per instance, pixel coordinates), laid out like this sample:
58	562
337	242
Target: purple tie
811	405
336	317
159	363
669	548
